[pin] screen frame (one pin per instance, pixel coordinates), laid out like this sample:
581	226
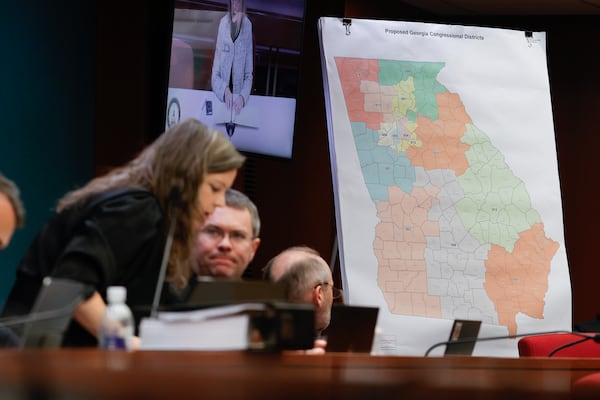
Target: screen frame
269	111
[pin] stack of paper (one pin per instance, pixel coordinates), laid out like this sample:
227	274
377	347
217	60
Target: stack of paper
215	328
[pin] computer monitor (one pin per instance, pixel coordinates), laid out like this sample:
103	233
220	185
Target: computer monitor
245	88
210	292
351	329
464	333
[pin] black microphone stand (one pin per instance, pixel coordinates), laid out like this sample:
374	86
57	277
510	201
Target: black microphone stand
485	339
174	197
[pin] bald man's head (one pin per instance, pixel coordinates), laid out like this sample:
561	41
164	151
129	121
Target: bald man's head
279	264
307	278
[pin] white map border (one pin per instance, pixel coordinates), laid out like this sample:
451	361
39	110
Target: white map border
500	66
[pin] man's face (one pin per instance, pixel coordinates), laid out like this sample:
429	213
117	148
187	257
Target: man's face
8	221
323	312
224	244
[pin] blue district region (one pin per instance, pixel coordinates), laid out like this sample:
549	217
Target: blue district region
382	166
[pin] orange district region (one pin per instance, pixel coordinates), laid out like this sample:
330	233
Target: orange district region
399	245
353	71
441	146
518	282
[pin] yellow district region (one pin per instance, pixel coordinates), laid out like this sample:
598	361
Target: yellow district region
404	100
393	102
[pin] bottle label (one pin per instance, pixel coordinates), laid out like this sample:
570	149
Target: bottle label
114	342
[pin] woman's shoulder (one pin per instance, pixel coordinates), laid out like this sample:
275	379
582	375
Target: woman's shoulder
124	201
124	194
224	20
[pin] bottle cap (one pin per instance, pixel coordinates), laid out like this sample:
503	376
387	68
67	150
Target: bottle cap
116	294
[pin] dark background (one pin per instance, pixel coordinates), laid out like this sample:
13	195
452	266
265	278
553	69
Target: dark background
83	89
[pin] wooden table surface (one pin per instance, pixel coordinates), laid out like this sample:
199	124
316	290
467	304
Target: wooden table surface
96	374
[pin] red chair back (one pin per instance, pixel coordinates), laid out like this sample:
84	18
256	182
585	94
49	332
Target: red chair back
545	345
587	387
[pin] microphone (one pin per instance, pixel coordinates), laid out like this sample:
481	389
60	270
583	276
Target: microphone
40	329
484	339
40	315
174	198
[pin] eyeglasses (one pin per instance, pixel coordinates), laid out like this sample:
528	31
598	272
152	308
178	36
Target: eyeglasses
215	233
336	292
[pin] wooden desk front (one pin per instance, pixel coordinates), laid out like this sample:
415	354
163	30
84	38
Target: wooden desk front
95	374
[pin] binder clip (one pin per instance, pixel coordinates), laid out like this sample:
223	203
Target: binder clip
531	40
347	22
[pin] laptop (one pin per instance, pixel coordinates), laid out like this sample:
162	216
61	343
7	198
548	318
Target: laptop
213	292
464	333
351	329
51	313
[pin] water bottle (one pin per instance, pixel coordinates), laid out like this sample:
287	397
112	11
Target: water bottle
116	326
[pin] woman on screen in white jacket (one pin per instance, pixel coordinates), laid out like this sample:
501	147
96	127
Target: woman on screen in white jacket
233	65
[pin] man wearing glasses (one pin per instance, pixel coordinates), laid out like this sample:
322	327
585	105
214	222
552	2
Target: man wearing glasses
307	278
228	240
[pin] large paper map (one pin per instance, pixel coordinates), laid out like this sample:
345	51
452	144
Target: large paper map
451	228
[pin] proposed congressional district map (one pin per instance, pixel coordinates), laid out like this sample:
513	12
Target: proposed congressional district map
445	179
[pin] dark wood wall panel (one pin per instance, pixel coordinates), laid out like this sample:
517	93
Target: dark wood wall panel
133	45
575	84
295	197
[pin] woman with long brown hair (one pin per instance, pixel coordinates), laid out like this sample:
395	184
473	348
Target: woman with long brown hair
112	231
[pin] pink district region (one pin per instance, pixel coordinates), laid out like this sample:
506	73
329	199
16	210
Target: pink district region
441	146
399	245
352	72
517	282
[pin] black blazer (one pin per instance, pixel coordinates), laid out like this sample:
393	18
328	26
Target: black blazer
114	238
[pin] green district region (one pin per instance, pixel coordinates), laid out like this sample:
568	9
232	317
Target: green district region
496	206
424	76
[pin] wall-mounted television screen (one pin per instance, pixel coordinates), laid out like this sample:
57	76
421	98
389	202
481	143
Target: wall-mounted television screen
234	66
